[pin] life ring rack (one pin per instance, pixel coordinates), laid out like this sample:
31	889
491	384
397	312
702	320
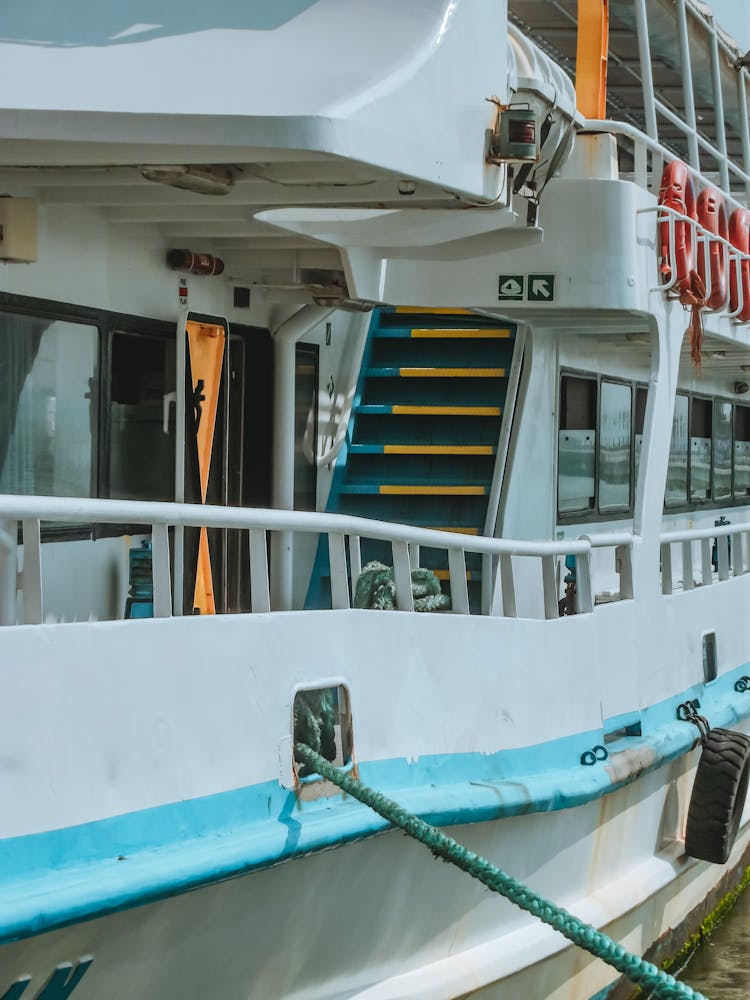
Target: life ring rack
698	238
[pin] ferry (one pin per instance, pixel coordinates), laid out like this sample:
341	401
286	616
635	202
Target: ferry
374	378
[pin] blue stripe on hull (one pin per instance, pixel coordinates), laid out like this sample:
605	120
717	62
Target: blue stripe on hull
67	876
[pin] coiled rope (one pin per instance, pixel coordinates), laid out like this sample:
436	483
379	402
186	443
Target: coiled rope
662	985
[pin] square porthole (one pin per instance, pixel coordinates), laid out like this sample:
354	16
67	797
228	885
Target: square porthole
322	721
710	663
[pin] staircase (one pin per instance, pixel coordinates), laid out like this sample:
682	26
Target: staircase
422	439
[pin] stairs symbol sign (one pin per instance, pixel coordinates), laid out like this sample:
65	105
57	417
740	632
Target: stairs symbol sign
511	287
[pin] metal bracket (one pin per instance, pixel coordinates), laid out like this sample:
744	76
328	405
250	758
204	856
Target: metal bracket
687	711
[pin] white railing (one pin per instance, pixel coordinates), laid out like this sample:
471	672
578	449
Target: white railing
718	52
727	546
650	180
344	534
622	544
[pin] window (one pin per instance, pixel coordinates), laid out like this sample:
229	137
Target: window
722	450
677	470
48	405
741	452
576	484
141	458
716	465
306	427
641	396
599	444
700	449
615	426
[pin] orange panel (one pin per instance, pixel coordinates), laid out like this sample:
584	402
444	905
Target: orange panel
206	343
591	58
203	598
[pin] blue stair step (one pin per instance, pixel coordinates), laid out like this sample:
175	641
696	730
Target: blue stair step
422	449
428	410
412	332
435	372
417	489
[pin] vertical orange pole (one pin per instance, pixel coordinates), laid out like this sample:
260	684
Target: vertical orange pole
206	344
591	58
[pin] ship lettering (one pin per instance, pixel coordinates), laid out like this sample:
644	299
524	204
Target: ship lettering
60	985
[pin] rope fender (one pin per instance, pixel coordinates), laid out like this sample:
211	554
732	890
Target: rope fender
662	985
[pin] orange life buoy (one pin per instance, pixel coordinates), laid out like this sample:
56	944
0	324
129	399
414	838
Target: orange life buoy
712	216
739	237
677	192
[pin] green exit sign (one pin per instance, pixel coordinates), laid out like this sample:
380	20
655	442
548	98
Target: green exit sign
511	287
526	287
540	287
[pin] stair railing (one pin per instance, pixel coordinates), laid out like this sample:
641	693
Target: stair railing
501	456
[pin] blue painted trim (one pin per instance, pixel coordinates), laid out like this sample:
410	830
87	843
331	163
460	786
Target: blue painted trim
67	876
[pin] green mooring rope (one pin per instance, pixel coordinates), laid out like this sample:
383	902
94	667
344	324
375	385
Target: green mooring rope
662	985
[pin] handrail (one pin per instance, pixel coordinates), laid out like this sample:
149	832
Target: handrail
344	535
610	539
696	534
721	558
640	138
88	511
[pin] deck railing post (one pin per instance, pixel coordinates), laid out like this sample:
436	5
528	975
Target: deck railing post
507	582
33	605
624	564
402	576
722	554
666	568
355	562
688	583
160	571
739	560
549	584
584	590
8	571
459	587
260	597
339	575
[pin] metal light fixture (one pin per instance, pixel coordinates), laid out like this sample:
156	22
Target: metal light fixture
199	180
514	137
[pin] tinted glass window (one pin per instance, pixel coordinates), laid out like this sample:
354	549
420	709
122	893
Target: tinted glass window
48	371
576	444
615	415
306	427
141	460
722	444
641	396
700	449
677	470
741	451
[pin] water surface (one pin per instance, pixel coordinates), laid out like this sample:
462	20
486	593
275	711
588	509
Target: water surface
720	969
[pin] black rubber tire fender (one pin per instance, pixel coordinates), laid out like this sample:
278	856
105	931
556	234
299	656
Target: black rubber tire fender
718	796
